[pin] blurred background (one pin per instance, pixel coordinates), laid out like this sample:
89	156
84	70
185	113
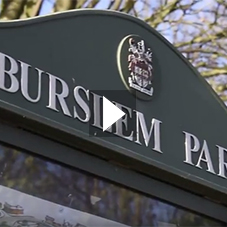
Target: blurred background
198	28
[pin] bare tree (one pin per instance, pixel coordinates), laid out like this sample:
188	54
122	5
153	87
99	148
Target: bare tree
198	28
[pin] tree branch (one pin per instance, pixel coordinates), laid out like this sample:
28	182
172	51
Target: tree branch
12	10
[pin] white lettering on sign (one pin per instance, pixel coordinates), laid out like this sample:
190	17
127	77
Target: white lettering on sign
14	84
24	82
123	122
155	127
54	96
82	104
197	154
58	94
15	76
222	155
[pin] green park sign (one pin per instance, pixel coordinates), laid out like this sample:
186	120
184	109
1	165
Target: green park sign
54	71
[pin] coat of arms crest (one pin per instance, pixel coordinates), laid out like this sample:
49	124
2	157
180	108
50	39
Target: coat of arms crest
134	60
140	67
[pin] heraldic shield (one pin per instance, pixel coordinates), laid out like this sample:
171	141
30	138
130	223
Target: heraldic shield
135	66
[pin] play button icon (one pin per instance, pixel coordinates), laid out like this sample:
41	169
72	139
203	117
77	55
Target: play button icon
111	113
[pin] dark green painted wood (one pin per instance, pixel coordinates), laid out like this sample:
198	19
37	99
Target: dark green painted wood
46	148
82	45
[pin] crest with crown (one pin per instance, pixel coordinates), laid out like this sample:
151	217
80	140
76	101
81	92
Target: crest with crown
140	66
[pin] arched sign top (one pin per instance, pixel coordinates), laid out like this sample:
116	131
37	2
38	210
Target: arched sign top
105	13
55	74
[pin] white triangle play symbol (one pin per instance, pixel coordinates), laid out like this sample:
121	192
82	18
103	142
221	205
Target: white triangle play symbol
111	114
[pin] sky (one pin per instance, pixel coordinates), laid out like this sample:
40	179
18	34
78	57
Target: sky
48	5
163	28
